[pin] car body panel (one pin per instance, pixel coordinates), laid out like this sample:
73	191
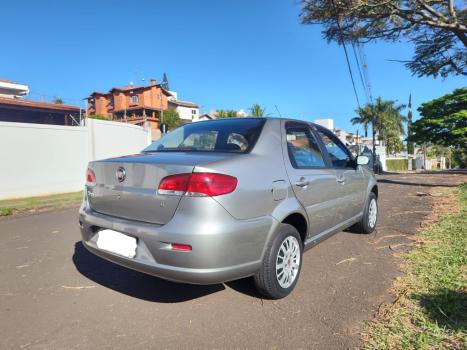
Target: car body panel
136	197
229	233
222	246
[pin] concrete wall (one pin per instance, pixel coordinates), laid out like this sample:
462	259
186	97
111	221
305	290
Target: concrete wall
111	139
39	159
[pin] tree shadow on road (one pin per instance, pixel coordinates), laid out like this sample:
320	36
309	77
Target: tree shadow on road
448	308
134	283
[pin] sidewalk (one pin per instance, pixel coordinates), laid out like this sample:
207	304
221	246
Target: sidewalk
39	204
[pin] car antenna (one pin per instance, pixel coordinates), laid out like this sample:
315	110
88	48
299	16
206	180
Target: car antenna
277	109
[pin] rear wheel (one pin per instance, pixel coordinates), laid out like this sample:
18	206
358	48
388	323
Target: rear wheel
281	264
370	216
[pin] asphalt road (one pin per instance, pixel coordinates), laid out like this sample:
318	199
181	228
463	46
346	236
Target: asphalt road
56	295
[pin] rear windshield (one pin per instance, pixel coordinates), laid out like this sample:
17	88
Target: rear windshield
226	135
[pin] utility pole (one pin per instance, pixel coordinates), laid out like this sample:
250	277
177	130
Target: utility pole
162	108
373	122
410	145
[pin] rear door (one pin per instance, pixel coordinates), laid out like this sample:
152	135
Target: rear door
349	176
313	179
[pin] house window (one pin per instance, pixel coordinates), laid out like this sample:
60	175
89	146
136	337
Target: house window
134	99
193	111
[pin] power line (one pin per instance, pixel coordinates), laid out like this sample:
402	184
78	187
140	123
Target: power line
366	74
346	54
362	80
366	79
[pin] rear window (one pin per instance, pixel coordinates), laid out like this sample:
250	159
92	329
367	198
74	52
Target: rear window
226	135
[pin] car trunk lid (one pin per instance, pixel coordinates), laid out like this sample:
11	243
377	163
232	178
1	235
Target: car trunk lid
134	196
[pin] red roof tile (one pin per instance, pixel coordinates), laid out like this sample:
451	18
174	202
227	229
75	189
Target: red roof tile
9	81
36	104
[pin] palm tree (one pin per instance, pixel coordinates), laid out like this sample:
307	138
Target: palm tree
257	111
365	117
57	100
389	122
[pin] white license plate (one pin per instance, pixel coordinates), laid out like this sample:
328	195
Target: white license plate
117	242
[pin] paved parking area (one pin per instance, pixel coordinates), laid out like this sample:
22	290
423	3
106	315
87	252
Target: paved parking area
56	295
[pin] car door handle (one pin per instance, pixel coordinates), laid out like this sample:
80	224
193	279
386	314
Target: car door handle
302	183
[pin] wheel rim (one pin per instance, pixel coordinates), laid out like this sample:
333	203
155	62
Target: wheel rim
372	213
288	262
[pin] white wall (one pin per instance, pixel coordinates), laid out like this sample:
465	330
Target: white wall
327	123
39	159
111	139
185	113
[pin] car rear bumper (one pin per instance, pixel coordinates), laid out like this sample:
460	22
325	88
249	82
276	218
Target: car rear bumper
223	248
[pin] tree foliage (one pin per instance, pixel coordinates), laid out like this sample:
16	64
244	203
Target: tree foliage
57	100
437	28
443	121
257	111
172	119
222	114
389	122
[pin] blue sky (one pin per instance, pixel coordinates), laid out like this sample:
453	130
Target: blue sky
220	54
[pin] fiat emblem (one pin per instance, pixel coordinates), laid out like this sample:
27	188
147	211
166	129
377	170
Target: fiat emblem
121	174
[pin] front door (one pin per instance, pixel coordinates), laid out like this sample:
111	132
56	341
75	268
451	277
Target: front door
313	179
349	176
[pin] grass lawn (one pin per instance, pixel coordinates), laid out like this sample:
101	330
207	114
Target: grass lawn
9	206
430	311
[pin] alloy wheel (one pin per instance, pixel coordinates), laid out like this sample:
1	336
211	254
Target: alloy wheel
288	262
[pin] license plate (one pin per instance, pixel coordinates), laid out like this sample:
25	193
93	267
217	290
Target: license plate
117	243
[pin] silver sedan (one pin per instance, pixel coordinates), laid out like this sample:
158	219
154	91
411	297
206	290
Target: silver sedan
221	200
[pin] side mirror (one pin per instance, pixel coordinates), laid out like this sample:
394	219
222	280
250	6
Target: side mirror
363	160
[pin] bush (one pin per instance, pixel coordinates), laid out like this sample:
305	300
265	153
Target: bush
397	164
459	158
98	116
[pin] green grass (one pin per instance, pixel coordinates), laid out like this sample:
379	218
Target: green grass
430	311
10	206
397	164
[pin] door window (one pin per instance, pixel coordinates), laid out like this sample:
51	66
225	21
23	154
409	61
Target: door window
303	149
339	154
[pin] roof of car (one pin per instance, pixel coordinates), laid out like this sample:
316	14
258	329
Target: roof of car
267	118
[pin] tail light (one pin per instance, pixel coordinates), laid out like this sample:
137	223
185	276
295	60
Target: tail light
198	184
90	177
174	184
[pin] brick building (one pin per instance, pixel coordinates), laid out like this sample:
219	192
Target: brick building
130	104
137	104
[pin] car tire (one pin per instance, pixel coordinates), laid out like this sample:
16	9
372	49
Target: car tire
286	249
370	216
